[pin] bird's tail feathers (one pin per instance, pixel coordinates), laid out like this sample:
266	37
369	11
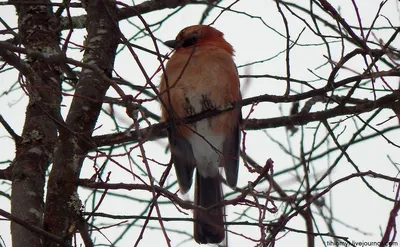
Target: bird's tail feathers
208	225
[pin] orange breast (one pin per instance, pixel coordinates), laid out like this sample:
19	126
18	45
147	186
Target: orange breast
198	80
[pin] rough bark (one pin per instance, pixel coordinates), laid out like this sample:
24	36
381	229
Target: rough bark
34	151
62	202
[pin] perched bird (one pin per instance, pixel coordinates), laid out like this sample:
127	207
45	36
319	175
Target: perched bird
201	75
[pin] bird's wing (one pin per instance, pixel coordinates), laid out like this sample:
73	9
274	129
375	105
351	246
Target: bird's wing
182	155
231	152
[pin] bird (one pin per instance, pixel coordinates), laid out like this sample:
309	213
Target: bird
201	76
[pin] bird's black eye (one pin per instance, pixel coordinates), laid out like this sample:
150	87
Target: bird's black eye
190	41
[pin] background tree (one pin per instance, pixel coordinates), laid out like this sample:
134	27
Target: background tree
319	137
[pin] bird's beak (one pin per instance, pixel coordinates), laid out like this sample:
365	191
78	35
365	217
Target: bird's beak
171	43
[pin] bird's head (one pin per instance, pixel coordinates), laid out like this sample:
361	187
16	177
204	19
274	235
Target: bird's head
199	35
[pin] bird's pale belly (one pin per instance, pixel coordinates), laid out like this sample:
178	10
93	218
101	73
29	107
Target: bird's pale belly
206	143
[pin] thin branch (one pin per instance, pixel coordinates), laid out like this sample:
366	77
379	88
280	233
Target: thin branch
10	130
33	228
